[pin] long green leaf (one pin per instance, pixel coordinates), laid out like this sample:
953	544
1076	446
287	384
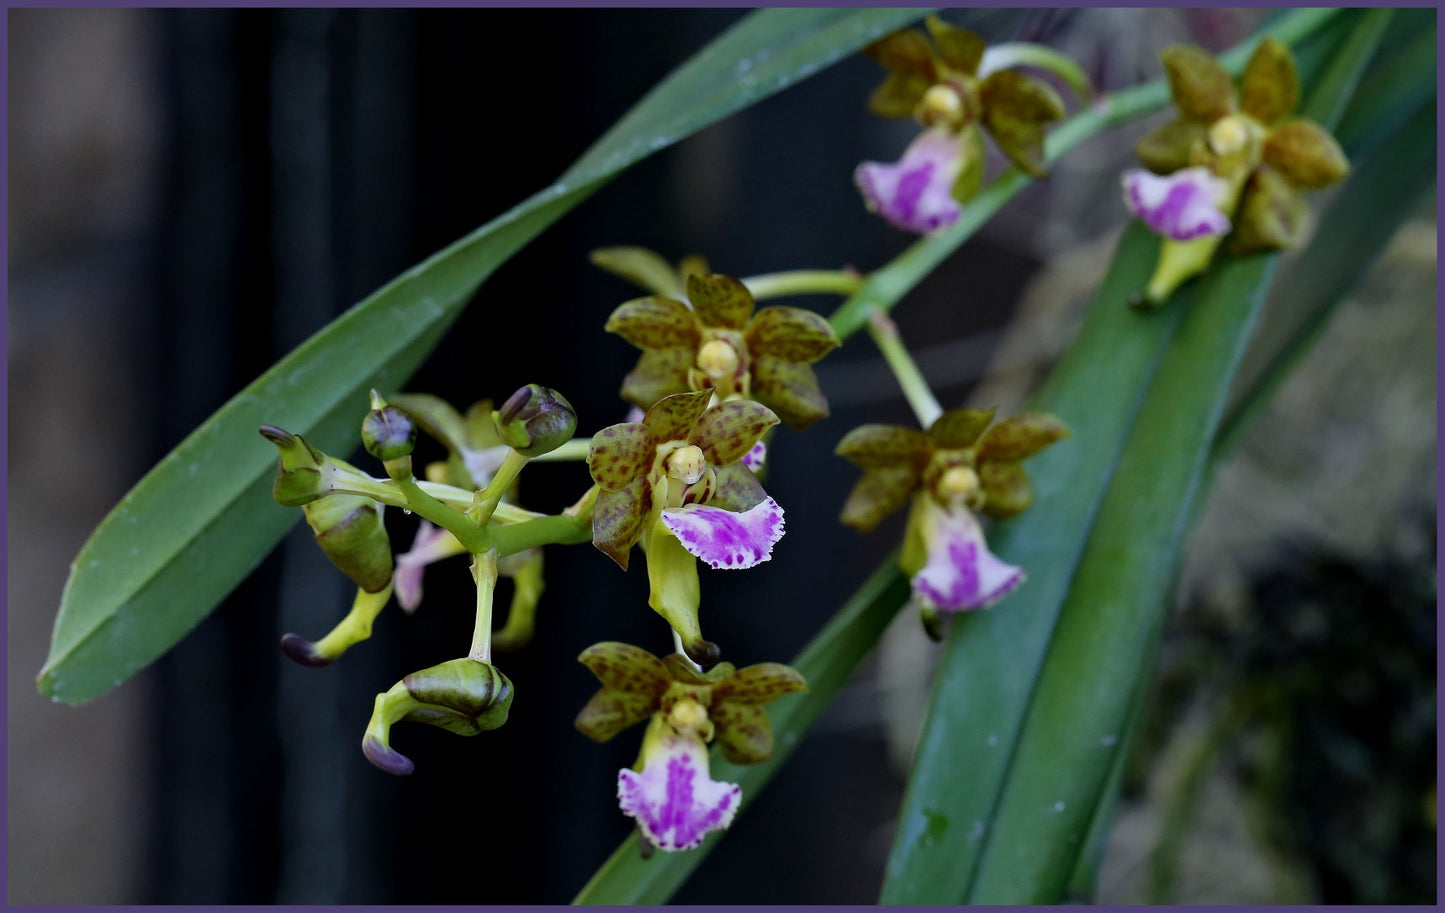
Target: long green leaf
203	518
1109	628
987	673
827	663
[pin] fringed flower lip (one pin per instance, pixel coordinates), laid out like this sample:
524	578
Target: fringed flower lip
724	538
1183	206
916	192
674	799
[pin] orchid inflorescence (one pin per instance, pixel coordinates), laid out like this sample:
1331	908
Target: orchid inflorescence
681	477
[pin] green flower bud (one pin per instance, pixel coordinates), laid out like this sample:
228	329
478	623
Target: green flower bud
461	695
350	531
535	420
299	476
387	432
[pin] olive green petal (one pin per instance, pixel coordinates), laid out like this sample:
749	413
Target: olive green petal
619	454
1269	88
960	428
727	431
792	334
350	531
973	155
435	416
742	731
1006	489
655	323
960	49
870	446
618	519
624	667
642	267
1015	109
898	95
735	488
720	301
879	493
907	52
659	373
1270	214
789	389
1201	88
671	417
1020	437
1305	154
760	683
609	712
1172	146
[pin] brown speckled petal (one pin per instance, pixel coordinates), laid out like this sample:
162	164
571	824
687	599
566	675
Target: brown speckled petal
617	520
720	301
869	446
729	430
655	323
619	454
671	417
789	389
659	373
960	428
879	493
792	334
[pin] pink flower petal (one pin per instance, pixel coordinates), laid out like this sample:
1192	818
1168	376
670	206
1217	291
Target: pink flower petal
916	193
725	539
1183	205
755	458
432	543
961	572
675	801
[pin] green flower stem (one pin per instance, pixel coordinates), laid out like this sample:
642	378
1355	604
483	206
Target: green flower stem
915	388
804	282
563	529
484	572
1022	53
885	287
488	499
356	626
384	490
575	449
469	534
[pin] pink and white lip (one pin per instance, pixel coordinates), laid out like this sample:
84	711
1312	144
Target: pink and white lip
674	799
916	193
725	539
961	573
1182	206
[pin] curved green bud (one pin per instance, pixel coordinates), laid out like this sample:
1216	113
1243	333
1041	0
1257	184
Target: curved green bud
461	695
387	432
299	476
535	420
349	632
350	531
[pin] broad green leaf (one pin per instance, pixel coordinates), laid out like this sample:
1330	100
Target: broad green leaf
987	674
1109	628
203	518
827	662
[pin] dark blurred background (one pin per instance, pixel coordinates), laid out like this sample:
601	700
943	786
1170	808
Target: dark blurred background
192	193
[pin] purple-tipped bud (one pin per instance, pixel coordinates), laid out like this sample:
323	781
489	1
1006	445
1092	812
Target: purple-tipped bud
298	475
303	651
535	420
463	696
385	757
388	433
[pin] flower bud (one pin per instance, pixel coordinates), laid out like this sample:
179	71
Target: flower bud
387	432
299	477
350	531
535	420
461	695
